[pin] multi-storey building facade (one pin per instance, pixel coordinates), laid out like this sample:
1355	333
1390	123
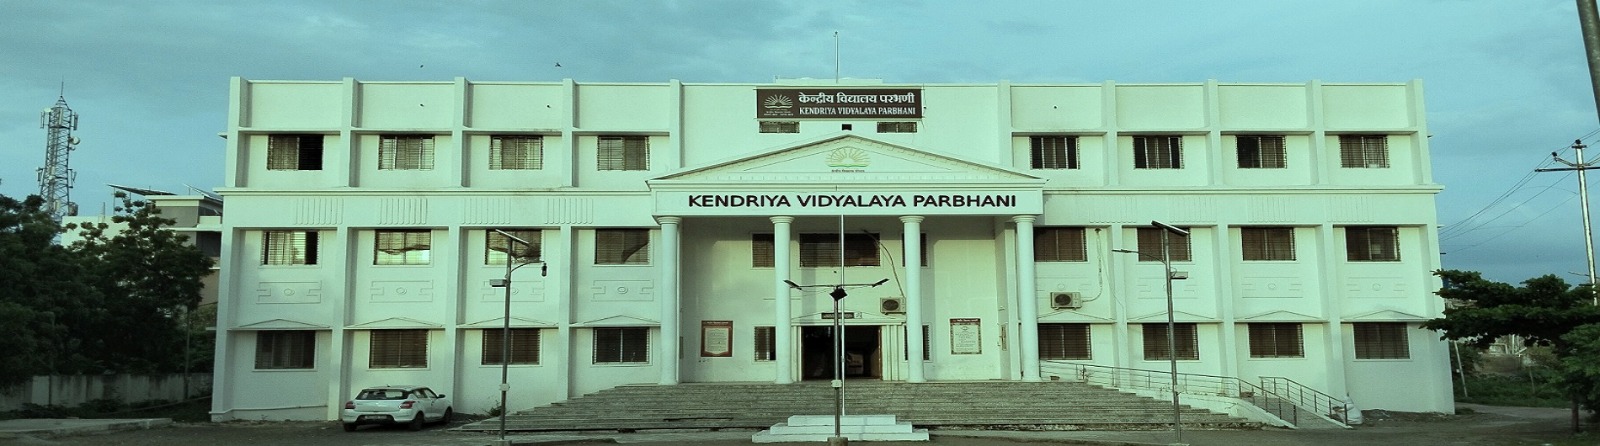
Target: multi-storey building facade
360	244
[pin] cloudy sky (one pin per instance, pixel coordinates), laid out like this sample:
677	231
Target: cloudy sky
1506	80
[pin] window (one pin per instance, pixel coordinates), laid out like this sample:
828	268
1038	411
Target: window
922	250
1261	152
295	349
1381	340
927	345
762	250
1053	152
1150	245
1155	341
627	345
1372	243
404	247
294	152
398	349
1276	340
622	246
516	153
780	127
405	152
524	346
822	250
624	153
494	252
897	127
1267	243
766	344
289	248
1059	245
1364	151
1158	152
1064	341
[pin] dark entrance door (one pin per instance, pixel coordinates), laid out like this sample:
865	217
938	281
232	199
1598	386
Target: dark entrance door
863	355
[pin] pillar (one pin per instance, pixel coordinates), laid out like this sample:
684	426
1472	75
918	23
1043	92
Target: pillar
782	332
912	228
1027	299
670	352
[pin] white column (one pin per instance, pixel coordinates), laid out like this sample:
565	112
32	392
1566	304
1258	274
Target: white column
912	229
1027	299
669	300
782	332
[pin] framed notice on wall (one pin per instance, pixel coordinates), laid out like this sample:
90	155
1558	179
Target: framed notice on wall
716	339
966	336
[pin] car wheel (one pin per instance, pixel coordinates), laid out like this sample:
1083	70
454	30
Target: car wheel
447	415
349	427
416	423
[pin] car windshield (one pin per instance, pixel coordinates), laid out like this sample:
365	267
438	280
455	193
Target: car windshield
382	394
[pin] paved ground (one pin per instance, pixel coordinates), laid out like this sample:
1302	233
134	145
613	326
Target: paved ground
1488	426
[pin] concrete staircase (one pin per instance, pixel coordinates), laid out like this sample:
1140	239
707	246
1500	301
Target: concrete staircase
950	405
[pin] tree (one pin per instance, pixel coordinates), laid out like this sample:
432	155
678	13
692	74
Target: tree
149	278
40	294
1545	310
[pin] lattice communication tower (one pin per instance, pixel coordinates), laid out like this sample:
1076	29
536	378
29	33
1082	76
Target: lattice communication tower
55	178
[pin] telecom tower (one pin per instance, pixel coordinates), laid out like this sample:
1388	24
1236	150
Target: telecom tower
55	178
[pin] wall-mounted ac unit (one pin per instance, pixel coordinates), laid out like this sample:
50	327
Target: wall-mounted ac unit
892	305
1062	301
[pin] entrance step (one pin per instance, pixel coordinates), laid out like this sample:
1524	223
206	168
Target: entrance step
812	428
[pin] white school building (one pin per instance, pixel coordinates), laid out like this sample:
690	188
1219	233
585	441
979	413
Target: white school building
359	245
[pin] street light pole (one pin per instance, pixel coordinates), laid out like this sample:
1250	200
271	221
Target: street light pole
505	328
1172	344
838	294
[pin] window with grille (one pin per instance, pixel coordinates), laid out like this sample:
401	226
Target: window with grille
624	153
1372	243
780	127
1261	152
762	250
294	152
403	247
1053	152
822	250
1059	245
398	349
1064	341
1276	340
516	152
622	345
897	127
289	248
1158	152
766	344
1381	340
495	246
1150	245
524	346
622	247
1155	341
1267	243
405	152
293	349
1364	151
927	344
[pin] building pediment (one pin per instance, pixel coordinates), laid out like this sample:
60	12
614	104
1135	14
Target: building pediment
516	322
1385	316
394	323
1177	316
280	324
1075	316
846	158
1280	316
619	321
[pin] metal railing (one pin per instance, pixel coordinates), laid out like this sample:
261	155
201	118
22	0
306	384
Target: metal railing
1281	397
1305	397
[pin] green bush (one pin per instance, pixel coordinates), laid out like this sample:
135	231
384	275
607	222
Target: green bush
1540	388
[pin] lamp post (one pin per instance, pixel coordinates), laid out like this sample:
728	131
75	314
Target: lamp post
505	329
1172	345
838	294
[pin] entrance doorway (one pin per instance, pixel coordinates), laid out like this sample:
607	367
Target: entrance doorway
863	354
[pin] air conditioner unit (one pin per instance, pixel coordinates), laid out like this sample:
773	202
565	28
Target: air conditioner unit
1060	301
892	305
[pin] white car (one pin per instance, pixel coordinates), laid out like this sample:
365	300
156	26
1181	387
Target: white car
409	405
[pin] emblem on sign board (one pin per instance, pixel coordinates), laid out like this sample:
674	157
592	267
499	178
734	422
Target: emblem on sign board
848	157
777	101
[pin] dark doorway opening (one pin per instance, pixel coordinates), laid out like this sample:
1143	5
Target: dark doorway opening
863	354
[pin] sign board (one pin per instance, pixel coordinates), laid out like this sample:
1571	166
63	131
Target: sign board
836	103
716	339
843	315
966	336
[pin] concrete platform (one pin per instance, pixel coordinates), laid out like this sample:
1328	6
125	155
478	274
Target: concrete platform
56	427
